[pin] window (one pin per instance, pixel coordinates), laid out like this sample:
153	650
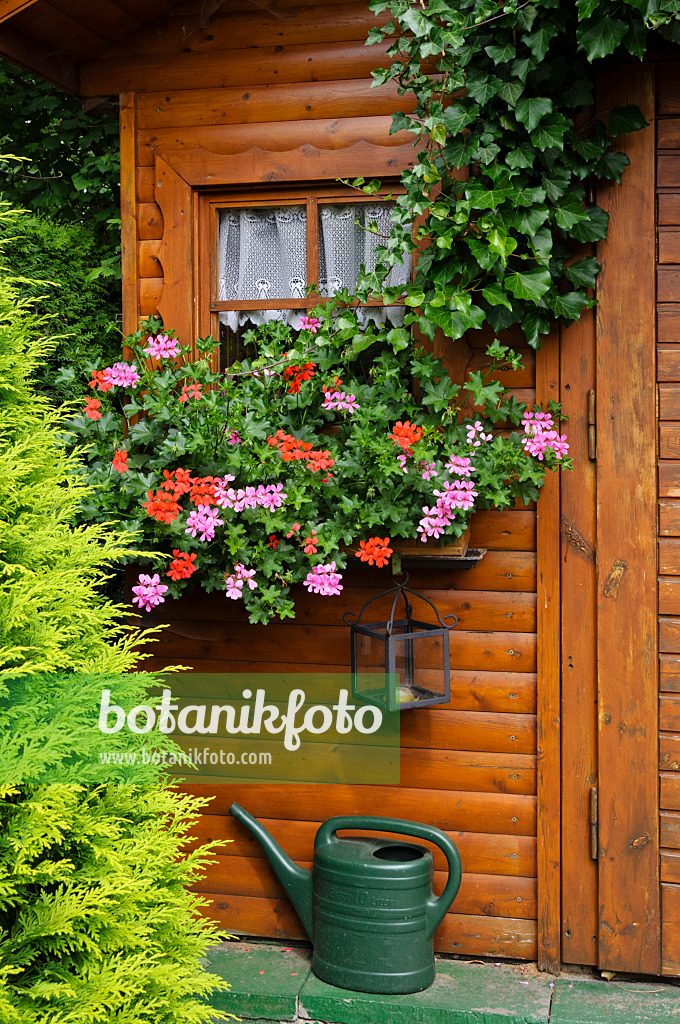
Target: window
266	250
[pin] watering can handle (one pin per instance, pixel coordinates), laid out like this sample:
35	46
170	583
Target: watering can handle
436	906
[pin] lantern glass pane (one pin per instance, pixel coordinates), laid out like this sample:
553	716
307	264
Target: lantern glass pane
421	665
370	668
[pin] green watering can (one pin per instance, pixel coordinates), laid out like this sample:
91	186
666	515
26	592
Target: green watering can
367	905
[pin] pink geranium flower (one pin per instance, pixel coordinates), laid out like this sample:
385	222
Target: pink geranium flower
236	580
460	465
309	323
149	592
123	375
323	580
162	347
542	436
340	401
203	520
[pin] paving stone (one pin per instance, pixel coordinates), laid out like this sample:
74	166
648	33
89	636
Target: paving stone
602	1002
461	994
265	980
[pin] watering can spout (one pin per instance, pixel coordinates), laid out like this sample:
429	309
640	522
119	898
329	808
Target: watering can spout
296	880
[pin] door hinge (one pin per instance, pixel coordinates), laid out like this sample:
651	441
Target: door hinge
592	801
592	435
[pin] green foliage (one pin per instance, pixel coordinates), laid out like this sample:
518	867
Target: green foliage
97	924
51	615
383	455
503	93
96	921
69	170
52	262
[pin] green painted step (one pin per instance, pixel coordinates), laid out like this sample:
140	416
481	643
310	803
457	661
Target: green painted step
613	1002
265	980
461	994
274	983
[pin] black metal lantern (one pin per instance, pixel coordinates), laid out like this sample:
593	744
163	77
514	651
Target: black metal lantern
401	663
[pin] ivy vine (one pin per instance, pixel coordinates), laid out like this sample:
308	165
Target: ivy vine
506	90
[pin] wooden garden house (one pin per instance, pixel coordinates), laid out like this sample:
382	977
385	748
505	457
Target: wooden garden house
556	765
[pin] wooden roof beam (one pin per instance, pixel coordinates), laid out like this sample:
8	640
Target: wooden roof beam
35	57
8	8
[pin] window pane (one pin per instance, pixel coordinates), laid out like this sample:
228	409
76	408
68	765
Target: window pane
263	253
345	243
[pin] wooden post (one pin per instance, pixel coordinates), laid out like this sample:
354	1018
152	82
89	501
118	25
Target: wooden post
128	212
579	642
627	562
176	304
549	683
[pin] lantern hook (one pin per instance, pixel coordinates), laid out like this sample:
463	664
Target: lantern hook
353	619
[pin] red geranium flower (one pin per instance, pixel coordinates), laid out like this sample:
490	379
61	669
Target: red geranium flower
182	565
406	434
202	490
178	481
120	463
375	550
161	506
297	374
100	381
92	407
192	390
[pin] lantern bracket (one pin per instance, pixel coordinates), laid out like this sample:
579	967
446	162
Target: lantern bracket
399	589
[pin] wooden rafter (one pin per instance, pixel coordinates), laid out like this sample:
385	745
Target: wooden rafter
8	8
30	54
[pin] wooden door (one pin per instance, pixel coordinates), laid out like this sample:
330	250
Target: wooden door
610	847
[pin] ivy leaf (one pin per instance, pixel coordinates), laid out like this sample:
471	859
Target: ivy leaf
482	253
496	296
601	36
570	211
485	198
486	154
454	324
635	39
625	119
550	132
500	54
415	21
530	219
398	338
586	7
592	229
530	111
539	41
456	117
583	272
399	122
482	86
612	165
427	327
531	284
521	68
527	196
569	306
522	156
534	325
510	92
440	393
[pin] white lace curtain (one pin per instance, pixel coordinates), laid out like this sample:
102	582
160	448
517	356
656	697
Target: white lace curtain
263	255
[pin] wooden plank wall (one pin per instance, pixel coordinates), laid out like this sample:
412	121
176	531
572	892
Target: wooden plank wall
260	97
668	376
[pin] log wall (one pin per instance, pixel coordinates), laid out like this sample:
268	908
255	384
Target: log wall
668	377
256	99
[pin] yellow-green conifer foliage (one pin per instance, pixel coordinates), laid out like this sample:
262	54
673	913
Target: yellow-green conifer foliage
97	923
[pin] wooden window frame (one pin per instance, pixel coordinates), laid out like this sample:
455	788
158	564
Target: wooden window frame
207	261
